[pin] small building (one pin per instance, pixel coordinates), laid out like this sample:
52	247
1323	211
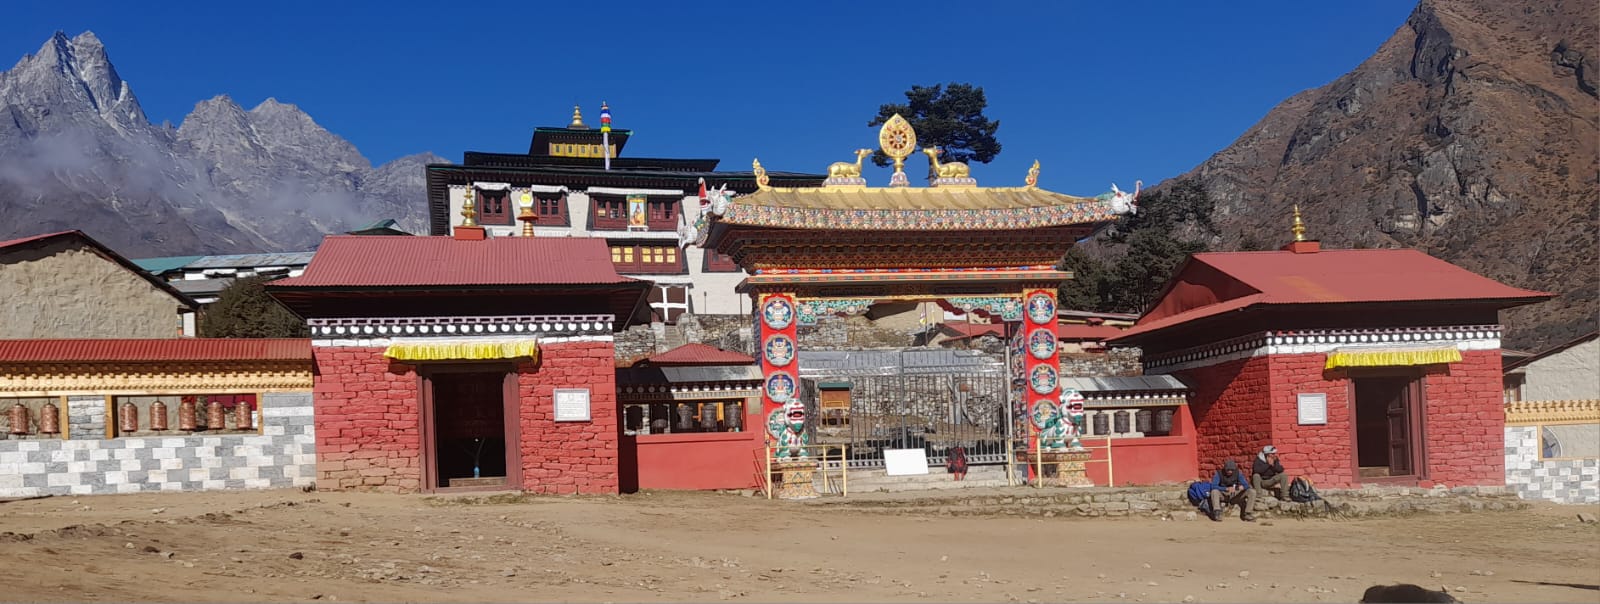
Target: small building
1566	372
690	419
204	277
1379	365
467	362
67	285
638	205
1553	423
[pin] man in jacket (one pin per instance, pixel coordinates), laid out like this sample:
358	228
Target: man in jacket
1268	472
1230	487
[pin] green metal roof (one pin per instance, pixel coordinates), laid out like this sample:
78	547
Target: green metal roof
156	266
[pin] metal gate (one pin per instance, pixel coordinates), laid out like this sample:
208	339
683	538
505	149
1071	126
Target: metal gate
930	399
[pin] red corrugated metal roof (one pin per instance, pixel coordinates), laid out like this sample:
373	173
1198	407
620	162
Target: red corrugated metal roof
11	242
174	349
1324	277
1087	332
358	261
700	354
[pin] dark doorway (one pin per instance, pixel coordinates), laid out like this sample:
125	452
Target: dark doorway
1384	423
467	415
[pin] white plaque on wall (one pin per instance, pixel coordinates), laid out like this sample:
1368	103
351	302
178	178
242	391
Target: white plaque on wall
572	404
1313	409
905	462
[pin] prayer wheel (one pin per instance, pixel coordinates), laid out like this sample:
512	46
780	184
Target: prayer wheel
1102	423
243	416
708	417
158	416
1164	422
49	419
1142	421
216	419
19	419
733	416
685	418
187	415
1122	422
129	418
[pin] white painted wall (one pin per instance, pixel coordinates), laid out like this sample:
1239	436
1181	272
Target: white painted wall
1572	374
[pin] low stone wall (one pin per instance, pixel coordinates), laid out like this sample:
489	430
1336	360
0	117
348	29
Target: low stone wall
1558	480
1171	502
88	463
1117	362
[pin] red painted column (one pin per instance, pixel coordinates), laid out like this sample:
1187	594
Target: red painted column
1041	363
777	347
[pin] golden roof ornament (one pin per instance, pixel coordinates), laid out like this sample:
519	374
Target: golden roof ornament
948	174
1299	228
1032	181
469	211
761	174
526	215
844	174
577	119
898	140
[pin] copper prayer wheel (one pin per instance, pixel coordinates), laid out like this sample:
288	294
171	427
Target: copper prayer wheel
49	419
733	414
242	418
129	417
19	419
187	414
158	416
216	419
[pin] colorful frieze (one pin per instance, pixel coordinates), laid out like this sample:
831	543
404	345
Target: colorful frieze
1079	212
811	310
1005	307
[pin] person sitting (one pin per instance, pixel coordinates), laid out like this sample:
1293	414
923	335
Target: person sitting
1229	487
956	462
1267	471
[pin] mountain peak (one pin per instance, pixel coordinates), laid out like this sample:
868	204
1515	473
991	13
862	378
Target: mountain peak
75	76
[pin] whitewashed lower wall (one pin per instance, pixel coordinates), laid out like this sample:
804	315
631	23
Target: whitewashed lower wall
1558	480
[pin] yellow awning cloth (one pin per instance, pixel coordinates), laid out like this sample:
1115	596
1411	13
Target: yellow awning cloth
1392	357
463	351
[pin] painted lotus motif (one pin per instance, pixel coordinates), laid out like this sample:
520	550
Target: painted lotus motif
1043	379
1042	344
1041	309
780	387
778	313
779	350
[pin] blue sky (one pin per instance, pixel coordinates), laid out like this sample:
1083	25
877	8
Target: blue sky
1097	91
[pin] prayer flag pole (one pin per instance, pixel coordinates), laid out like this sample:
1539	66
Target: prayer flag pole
605	132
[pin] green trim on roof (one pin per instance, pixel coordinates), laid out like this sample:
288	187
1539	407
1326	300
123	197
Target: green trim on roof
163	264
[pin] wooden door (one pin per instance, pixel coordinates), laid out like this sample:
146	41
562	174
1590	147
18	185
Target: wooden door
1399	412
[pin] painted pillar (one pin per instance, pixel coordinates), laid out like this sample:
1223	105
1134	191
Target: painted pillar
1041	365
777	348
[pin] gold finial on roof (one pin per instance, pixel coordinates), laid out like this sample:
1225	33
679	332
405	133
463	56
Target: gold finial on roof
761	174
577	119
469	210
526	215
1033	176
898	140
1299	227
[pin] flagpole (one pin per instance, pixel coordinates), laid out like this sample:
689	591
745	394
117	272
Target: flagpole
605	133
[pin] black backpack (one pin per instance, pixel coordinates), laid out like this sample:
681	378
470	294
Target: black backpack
1301	491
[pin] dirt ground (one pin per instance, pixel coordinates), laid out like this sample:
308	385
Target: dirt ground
293	546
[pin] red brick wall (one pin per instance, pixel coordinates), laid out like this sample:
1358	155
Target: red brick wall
569	457
1465	423
1322	453
1230	409
368	434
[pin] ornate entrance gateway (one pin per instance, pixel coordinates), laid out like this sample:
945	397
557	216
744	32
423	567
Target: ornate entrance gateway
841	248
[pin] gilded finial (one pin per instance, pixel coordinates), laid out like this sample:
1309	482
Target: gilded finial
1033	175
1299	227
469	210
898	140
761	174
577	119
526	215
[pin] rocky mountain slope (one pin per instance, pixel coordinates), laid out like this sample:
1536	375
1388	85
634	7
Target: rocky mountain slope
1471	134
77	152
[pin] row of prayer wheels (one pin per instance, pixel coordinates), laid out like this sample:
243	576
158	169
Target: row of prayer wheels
188	416
22	423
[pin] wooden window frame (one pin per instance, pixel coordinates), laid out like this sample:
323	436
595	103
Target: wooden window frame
632	259
507	207
543	201
608	212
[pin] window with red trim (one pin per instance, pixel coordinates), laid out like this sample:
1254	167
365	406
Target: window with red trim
663	214
495	207
656	259
551	210
610	212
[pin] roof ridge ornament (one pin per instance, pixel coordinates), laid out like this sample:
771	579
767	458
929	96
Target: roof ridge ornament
949	174
846	174
1299	228
898	140
1032	181
577	119
761	175
469	212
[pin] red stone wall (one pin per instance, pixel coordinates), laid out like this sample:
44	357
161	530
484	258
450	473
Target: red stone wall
569	457
368	434
1465	423
1231	411
1324	454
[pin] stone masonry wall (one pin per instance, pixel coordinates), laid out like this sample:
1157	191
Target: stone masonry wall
1321	453
1558	480
369	435
569	457
1232	415
1117	362
1465	422
91	464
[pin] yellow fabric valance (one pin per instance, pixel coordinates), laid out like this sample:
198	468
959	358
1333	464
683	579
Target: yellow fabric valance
1391	357
462	351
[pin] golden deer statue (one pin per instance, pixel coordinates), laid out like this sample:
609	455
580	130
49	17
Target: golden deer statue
844	169
953	169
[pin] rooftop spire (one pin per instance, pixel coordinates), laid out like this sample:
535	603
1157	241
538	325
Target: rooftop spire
1299	228
577	119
